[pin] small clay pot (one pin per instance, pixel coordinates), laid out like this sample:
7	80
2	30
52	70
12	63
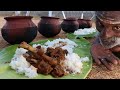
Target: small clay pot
84	23
49	26
89	23
69	25
18	29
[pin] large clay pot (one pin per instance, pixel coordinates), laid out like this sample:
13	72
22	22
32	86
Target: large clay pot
49	26
69	25
84	23
18	29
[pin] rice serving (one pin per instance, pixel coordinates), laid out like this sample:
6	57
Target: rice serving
84	31
20	64
72	63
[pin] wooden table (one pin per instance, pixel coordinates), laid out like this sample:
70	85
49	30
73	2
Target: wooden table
97	72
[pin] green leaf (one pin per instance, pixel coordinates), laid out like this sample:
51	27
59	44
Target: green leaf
6	55
71	35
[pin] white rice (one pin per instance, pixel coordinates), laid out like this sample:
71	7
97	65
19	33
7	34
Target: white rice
84	59
72	61
20	64
69	45
85	31
19	52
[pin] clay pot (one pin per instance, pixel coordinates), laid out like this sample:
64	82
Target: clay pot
84	23
49	26
18	29
69	25
89	23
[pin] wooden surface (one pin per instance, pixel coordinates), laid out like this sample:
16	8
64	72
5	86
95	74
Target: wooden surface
97	72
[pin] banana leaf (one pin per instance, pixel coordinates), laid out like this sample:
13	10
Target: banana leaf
7	53
92	35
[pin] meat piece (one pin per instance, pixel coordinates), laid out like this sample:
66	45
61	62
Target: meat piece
57	53
49	51
46	58
30	59
50	60
33	55
27	46
46	63
31	51
58	71
44	67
